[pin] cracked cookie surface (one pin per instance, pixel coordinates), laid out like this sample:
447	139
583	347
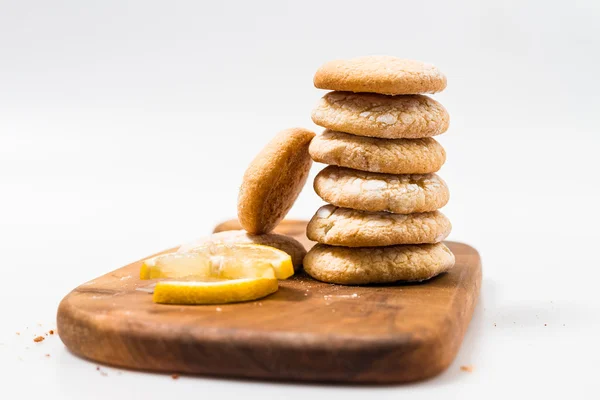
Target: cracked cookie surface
391	156
338	226
274	180
368	191
282	242
364	265
375	115
380	74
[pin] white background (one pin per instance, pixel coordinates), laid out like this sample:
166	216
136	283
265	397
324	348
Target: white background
126	126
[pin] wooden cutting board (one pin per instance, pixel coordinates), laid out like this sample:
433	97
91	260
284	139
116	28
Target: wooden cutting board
307	331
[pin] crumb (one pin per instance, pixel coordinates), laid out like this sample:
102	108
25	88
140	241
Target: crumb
174	376
18	333
47	355
545	324
219	309
51	332
101	372
494	324
39	339
466	368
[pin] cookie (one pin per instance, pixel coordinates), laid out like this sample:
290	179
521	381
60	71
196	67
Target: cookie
364	265
380	74
376	115
284	243
274	180
368	191
397	156
353	228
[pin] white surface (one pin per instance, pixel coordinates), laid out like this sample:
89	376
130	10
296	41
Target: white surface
125	128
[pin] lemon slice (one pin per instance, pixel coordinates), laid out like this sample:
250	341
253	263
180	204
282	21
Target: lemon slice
220	261
215	292
176	265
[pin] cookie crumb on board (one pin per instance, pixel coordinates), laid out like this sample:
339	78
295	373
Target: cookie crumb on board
39	339
175	376
51	331
466	368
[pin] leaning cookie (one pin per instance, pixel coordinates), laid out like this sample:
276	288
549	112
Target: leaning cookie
380	74
274	180
282	242
364	265
368	191
352	228
375	115
397	156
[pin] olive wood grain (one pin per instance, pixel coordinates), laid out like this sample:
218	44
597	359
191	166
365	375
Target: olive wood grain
306	331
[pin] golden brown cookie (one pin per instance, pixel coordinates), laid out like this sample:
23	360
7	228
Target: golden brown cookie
338	226
380	74
284	243
364	265
368	191
274	180
397	156
376	115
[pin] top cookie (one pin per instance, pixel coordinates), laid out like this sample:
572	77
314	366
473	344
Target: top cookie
274	180
380	74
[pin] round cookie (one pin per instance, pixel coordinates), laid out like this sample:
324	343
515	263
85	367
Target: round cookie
395	156
274	180
376	115
284	243
353	228
380	74
368	191
364	265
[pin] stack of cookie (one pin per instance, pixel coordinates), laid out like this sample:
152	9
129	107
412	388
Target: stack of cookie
382	222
